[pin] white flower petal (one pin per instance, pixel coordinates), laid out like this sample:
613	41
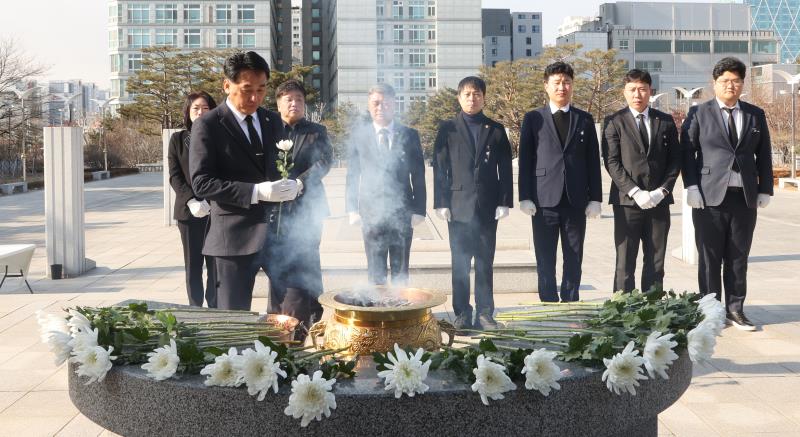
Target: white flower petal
258	370
407	374
94	363
491	380
624	370
311	398
163	362
659	354
541	373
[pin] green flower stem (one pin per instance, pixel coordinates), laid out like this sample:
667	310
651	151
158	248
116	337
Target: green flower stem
211	311
324	352
565	304
559	310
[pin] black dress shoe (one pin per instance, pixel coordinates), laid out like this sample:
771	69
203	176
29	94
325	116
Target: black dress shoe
463	321
485	321
740	321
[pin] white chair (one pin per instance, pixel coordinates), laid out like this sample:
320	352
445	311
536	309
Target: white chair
16	258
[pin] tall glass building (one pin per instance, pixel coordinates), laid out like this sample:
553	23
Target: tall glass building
782	17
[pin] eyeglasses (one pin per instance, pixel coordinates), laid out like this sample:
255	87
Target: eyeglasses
734	82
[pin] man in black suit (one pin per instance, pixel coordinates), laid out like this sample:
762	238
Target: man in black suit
559	182
296	274
232	165
728	174
473	189
385	187
642	154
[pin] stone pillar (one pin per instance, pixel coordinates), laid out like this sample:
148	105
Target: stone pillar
688	250
169	193
64	203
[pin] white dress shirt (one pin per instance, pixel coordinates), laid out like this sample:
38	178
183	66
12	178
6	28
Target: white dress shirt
379	128
735	179
646	119
554	108
243	124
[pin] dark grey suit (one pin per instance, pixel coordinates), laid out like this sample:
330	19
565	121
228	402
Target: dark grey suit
724	228
560	179
632	164
225	168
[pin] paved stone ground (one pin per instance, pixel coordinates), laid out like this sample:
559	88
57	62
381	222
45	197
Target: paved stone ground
749	388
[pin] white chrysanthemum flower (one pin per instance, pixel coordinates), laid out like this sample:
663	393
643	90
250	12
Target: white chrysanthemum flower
624	371
258	369
59	344
701	343
78	322
713	313
49	322
222	372
285	145
311	398
163	362
541	373
659	354
93	362
407	372
83	339
491	380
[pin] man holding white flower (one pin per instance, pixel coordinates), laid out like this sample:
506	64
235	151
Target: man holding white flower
385	187
232	163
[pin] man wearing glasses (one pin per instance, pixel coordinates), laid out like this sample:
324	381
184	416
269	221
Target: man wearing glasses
728	174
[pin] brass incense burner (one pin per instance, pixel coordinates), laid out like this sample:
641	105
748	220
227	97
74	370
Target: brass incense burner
367	328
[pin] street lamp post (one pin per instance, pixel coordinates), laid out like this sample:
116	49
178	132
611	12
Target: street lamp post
792	81
103	105
22	95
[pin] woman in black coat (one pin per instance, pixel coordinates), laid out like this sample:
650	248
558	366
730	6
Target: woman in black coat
190	211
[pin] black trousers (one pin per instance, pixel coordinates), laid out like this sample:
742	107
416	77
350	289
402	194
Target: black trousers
236	276
550	223
632	225
193	234
475	239
390	239
724	235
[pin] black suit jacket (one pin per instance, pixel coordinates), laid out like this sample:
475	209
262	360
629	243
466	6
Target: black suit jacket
709	155
385	185
472	180
545	167
179	179
224	169
628	164
312	155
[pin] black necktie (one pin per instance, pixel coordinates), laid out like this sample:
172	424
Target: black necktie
561	120
733	137
643	132
255	140
383	139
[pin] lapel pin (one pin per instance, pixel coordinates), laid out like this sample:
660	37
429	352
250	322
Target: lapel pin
486	126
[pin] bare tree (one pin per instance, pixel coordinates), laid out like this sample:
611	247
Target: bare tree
15	65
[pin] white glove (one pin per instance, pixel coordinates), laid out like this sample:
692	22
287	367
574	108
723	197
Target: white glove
593	209
199	208
501	212
527	207
354	218
416	219
299	187
643	199
693	197
657	196
763	200
277	191
444	214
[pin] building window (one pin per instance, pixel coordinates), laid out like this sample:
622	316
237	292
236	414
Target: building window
521	28
535	16
191	38
416	57
502	28
417	33
315	55
693	46
651	66
397	33
493	52
400	104
315	13
192	14
397	59
115	13
315	27
416	9
246	13
398	81
246	38
536	29
528	40
116	63
315	41
381	57
432	80
223	39
316	83
167	14
134	62
431	8
730	47
416	82
653	46
623	44
138	13
764	47
379	9
138	38
379	77
431	32
379	35
223	14
114	38
167	37
521	16
397	9
431	56
528	52
494	40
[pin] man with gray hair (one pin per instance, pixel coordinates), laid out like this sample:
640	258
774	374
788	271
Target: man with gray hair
385	187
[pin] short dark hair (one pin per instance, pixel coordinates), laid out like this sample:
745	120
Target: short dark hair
474	82
558	68
240	61
289	86
187	106
734	65
637	75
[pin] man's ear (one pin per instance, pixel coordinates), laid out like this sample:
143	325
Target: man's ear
226	85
